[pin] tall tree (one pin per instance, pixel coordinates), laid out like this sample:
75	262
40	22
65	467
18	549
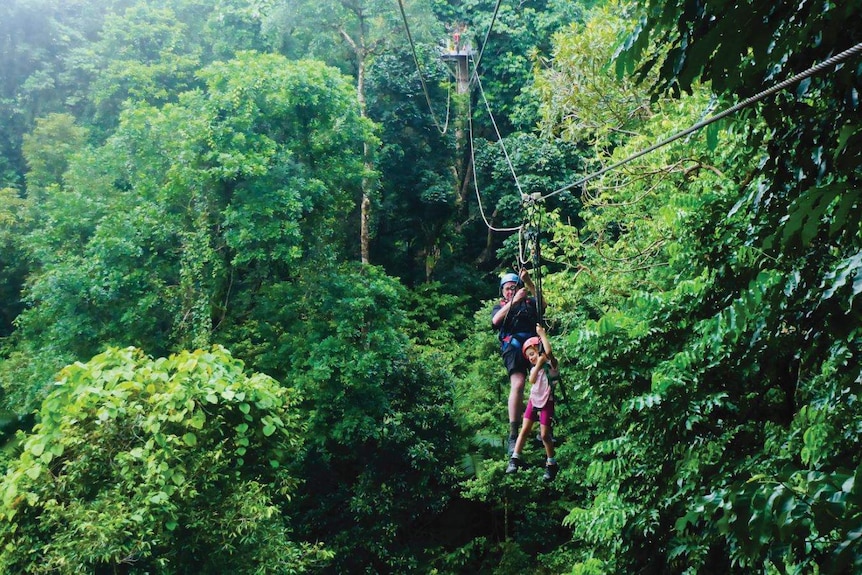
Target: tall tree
383	444
352	32
188	206
144	53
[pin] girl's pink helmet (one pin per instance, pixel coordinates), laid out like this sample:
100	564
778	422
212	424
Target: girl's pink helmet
530	343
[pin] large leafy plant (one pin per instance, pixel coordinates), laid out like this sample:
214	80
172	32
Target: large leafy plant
168	465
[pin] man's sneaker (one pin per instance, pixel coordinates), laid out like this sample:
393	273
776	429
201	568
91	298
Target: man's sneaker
551	471
514	465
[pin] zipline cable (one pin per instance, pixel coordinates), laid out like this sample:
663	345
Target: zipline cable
534	234
485	41
505	154
475	180
499	138
733	109
422	75
747	102
470	116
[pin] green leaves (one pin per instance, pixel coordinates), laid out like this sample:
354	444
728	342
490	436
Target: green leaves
129	451
765	518
847	270
711	331
806	214
582	99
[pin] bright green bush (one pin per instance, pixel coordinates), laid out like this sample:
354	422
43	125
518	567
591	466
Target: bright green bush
169	465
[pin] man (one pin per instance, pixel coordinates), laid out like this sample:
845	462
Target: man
515	317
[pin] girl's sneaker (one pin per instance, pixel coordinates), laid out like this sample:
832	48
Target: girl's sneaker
551	471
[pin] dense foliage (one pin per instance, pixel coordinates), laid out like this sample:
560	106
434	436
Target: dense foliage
186	177
173	465
728	356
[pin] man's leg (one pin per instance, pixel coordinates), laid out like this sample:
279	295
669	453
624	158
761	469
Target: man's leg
515	462
516	406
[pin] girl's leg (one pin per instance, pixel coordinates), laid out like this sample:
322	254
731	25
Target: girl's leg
551	466
522	437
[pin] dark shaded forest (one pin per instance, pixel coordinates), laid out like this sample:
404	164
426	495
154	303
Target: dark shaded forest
249	252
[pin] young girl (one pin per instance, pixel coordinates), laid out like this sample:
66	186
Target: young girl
541	404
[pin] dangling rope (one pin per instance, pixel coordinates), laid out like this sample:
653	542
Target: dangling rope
534	224
532	230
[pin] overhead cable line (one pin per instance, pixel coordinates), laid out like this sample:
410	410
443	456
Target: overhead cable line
422	75
475	180
470	113
499	137
733	109
485	41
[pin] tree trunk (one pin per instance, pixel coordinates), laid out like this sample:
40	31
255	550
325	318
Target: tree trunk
365	205
364	236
